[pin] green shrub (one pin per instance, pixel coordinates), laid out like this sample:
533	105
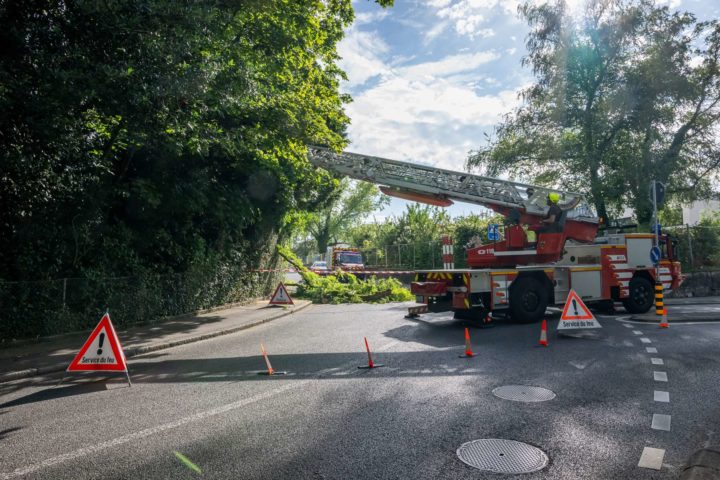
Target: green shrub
345	287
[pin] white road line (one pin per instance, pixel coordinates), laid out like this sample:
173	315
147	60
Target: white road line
651	349
81	452
657	361
627	325
645	340
660	422
661	396
637	332
660	376
651	458
638	323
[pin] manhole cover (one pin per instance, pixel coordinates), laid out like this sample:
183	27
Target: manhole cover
502	456
524	393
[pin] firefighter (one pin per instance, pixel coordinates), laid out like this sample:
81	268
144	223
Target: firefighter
551	220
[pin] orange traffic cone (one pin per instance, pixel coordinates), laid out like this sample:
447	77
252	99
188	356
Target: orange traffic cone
543	334
468	348
370	364
664	322
270	370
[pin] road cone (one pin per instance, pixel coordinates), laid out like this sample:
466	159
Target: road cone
664	322
370	364
468	348
543	334
269	370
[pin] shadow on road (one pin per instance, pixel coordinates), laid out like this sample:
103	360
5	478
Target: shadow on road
52	393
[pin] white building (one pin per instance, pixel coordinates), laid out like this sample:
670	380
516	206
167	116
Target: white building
692	213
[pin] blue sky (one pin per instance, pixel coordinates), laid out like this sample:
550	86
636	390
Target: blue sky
431	78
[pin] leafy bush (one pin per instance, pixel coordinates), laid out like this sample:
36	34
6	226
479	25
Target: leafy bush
345	287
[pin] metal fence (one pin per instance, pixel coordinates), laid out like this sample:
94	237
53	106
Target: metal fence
408	256
40	308
698	246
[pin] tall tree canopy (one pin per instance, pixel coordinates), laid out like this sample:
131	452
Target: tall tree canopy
150	135
626	93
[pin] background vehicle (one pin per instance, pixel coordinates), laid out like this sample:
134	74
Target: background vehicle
344	257
319	267
513	275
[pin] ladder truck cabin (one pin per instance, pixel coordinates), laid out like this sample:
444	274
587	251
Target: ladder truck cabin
513	275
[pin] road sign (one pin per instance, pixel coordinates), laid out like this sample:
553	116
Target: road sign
655	254
493	233
656	228
281	296
101	351
576	314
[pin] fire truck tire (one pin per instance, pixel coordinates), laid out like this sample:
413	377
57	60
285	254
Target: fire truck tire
641	295
528	300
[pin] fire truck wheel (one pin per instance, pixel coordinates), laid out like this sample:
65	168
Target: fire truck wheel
528	300
640	297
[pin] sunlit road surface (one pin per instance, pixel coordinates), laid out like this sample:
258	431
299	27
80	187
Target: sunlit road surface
202	410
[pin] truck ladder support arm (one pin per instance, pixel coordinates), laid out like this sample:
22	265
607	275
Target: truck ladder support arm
406	177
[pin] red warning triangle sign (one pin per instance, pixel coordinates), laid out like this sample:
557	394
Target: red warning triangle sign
576	314
101	351
281	296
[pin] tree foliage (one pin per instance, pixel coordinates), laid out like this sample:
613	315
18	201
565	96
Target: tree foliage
347	207
627	93
148	137
418	230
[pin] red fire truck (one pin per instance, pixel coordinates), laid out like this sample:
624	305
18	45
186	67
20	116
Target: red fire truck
514	275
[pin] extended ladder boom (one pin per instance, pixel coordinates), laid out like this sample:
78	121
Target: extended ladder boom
447	184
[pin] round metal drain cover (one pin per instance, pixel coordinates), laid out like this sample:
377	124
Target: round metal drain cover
502	456
524	393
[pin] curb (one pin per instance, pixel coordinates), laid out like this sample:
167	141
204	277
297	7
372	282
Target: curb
49	338
672	319
134	352
704	464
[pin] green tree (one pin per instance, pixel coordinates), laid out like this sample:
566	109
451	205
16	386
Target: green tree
627	93
353	202
153	136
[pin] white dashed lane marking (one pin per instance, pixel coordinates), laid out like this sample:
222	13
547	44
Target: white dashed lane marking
660	422
660	396
627	325
652	458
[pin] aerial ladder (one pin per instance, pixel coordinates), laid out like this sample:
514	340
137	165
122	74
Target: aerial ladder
513	273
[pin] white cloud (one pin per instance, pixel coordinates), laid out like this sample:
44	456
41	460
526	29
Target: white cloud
432	112
438	3
670	3
449	65
469	15
370	17
361	54
430	120
434	32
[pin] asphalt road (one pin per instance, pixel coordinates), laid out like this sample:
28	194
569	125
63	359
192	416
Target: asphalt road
328	419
